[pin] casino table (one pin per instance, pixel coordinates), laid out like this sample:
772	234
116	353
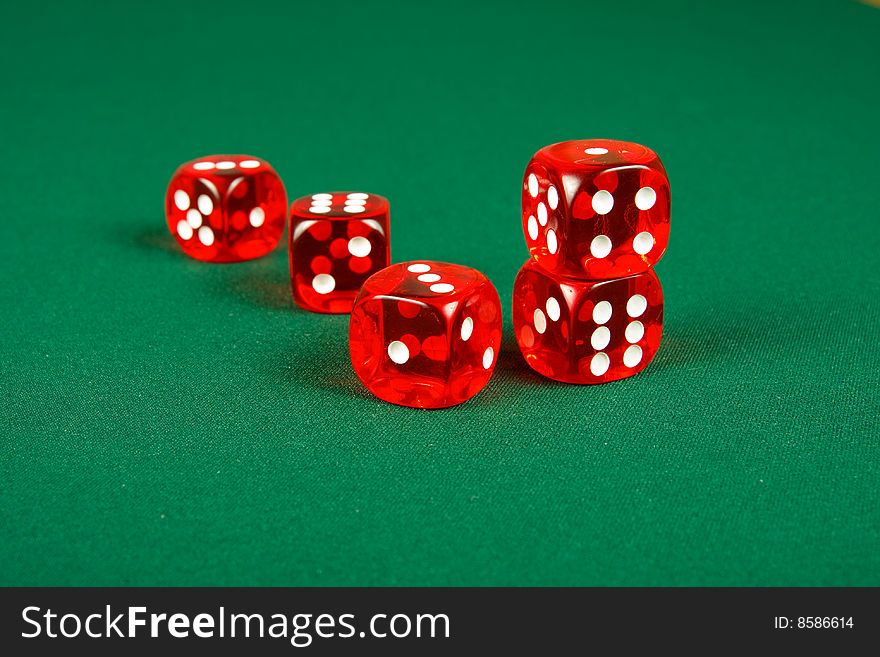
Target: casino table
173	422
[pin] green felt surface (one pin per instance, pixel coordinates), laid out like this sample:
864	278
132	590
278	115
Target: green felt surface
167	421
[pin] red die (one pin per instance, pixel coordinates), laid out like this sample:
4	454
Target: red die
336	242
596	208
425	334
226	208
580	331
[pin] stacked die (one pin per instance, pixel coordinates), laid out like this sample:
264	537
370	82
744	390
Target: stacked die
587	305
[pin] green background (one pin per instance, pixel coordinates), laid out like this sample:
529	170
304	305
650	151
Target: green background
167	421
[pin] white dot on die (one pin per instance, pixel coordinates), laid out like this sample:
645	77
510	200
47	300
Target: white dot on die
552	197
184	230
249	164
602	312
181	200
632	356
442	288
533	227
320	202
552	243
553	310
602	202
358	196
226	165
256	217
206	236
206	205
467	328
419	268
398	352
359	247
354	209
540	320
600	338
542	214
194	218
533	185
428	278
488	357
636	305
322	197
323	283
203	166
599	364
600	246
634	331
595	151
646	197
643	243
319	209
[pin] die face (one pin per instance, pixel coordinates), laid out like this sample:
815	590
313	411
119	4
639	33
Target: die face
337	241
542	312
579	331
226	208
619	345
596	208
438	284
425	334
341	205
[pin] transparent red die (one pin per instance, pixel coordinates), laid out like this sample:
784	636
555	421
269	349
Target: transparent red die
337	241
579	331
425	334
226	208
596	208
